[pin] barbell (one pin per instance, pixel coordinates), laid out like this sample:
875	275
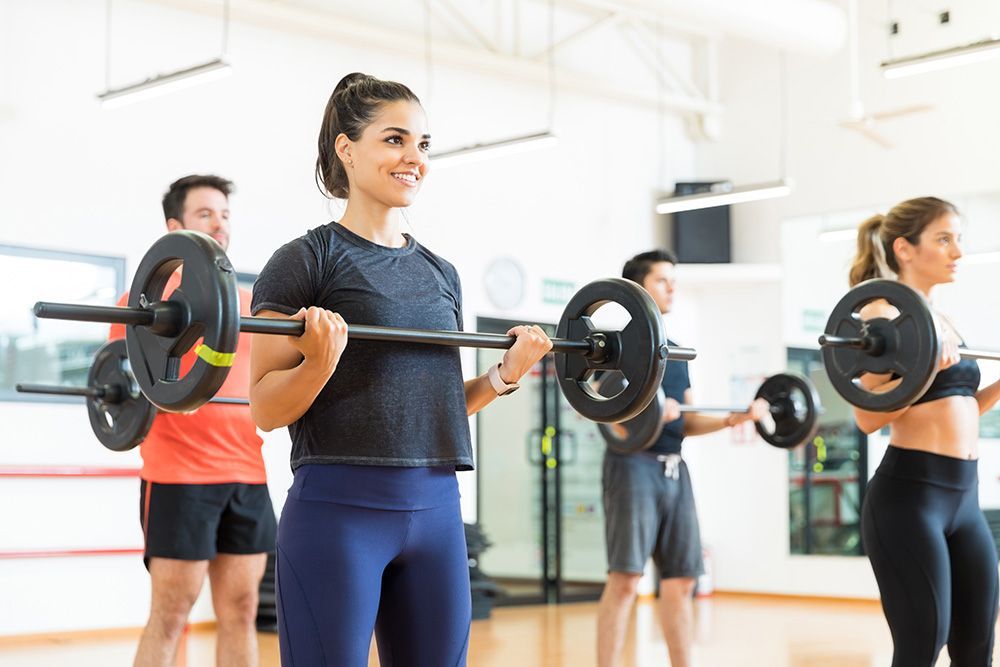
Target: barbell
793	405
205	307
120	415
907	347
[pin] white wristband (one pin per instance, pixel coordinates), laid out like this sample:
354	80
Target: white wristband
499	386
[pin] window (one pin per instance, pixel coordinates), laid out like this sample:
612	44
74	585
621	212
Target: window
827	477
51	351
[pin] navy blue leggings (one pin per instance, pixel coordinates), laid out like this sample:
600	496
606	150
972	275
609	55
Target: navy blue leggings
933	556
344	570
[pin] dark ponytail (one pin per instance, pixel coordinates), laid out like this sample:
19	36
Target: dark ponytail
352	107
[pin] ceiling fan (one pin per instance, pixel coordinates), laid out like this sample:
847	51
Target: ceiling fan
867	123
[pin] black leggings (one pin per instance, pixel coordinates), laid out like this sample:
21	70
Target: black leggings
933	556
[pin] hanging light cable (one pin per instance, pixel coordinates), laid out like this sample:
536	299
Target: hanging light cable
724	193
163	84
519	144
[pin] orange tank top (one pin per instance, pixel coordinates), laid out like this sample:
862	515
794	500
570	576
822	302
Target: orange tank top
216	443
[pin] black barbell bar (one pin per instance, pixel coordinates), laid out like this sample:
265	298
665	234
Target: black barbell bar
162	315
61	390
873	343
793	405
107	393
742	409
205	305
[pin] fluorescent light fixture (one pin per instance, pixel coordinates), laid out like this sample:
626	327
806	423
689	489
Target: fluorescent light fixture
936	60
164	84
981	258
723	194
493	149
831	235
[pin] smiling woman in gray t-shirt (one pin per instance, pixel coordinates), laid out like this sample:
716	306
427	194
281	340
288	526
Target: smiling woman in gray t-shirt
371	536
369	412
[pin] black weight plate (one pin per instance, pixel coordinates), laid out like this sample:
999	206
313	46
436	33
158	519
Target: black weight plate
638	351
639	432
910	346
795	410
205	305
122	417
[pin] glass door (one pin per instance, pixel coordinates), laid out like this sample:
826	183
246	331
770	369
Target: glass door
539	489
510	481
581	566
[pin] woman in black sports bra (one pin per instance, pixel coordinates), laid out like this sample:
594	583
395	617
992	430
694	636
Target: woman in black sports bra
928	542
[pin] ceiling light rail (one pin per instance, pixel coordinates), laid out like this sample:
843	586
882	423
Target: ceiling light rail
986	49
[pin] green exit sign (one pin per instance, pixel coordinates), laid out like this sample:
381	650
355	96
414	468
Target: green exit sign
557	292
813	320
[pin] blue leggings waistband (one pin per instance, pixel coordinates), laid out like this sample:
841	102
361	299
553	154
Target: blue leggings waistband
376	487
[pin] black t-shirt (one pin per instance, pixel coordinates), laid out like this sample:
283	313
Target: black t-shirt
387	404
675	382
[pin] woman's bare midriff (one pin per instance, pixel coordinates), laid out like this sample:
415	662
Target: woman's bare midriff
948	426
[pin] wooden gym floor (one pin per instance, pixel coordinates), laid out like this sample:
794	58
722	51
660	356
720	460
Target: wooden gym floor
747	631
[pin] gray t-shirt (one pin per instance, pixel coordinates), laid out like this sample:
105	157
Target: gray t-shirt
387	404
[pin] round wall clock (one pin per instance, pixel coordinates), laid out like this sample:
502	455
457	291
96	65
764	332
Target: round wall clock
504	280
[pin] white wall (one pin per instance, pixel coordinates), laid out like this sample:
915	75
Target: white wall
78	178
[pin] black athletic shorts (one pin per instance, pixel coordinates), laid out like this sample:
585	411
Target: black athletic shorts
198	521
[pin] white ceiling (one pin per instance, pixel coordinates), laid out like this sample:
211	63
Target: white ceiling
655	52
659	53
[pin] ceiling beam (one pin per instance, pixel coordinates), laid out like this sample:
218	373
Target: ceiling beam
646	41
604	21
456	16
302	21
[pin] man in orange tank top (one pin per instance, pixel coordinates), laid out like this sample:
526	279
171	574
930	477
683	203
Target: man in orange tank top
204	504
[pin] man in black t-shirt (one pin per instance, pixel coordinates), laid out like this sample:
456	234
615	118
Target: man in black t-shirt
649	505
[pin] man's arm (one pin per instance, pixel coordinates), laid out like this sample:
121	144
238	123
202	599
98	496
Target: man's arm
696	423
